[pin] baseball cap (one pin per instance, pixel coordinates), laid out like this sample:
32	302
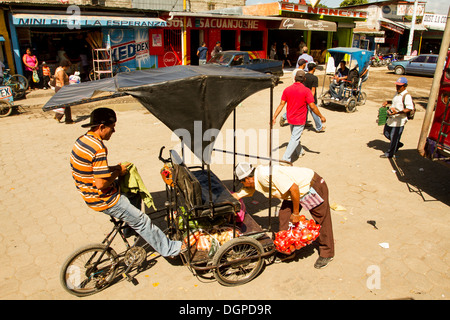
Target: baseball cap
243	170
300	75
301	62
401	81
101	116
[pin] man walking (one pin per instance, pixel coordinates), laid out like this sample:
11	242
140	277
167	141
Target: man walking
402	104
98	185
312	82
202	53
297	97
306	57
217	49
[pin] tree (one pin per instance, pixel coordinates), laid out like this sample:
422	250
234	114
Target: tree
347	3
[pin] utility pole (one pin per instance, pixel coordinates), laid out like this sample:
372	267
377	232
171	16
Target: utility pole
434	92
411	32
184	37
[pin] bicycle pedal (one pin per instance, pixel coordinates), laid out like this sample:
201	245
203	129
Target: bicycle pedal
131	279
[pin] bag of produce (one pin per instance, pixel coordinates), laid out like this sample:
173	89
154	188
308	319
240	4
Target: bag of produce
298	236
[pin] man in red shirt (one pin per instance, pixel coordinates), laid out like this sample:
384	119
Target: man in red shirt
298	98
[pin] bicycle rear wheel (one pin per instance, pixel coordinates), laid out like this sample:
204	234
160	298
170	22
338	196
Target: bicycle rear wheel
18	84
233	267
83	274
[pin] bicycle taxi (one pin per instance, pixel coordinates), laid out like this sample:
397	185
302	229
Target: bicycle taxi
6	101
352	95
200	209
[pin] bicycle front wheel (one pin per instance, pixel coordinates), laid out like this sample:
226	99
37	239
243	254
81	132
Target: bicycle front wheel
5	108
19	85
89	270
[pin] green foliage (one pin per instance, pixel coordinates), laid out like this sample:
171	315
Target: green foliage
347	3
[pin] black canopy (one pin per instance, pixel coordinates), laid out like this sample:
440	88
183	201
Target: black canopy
187	99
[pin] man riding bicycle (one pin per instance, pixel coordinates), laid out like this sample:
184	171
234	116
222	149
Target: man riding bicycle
97	182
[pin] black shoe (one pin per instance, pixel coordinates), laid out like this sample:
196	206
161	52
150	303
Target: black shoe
129	232
386	156
322	262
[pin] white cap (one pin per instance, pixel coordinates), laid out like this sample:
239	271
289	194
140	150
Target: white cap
243	170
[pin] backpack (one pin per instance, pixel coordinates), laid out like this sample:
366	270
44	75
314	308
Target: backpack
410	114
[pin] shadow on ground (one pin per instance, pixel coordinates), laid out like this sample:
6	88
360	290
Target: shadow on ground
428	179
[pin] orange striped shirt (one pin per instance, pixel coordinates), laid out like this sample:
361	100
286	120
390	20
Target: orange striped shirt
46	71
88	161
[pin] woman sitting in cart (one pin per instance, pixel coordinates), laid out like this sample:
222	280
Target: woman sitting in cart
292	185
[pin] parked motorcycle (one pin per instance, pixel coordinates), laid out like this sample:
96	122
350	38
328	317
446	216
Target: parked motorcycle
388	58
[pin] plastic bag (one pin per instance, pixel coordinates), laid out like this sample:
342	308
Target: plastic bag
35	76
298	236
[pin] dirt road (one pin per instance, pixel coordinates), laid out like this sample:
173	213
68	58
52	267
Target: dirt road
44	218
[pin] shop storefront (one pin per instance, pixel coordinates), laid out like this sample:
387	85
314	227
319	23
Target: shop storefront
431	39
51	37
185	33
317	28
388	27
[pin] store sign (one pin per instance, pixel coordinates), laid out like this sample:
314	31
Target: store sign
339	12
435	21
213	23
142	48
392	27
170	59
408	9
130	47
124	51
59	20
305	24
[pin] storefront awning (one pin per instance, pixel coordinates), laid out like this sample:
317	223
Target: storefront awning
302	24
74	21
368	31
392	25
400	27
417	27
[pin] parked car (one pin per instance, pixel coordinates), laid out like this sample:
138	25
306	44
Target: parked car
424	64
241	59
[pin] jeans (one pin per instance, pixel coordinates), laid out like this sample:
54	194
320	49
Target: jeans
294	142
316	118
317	121
142	224
333	88
393	134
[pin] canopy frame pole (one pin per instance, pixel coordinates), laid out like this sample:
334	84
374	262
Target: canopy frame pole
270	158
114	95
252	156
234	149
